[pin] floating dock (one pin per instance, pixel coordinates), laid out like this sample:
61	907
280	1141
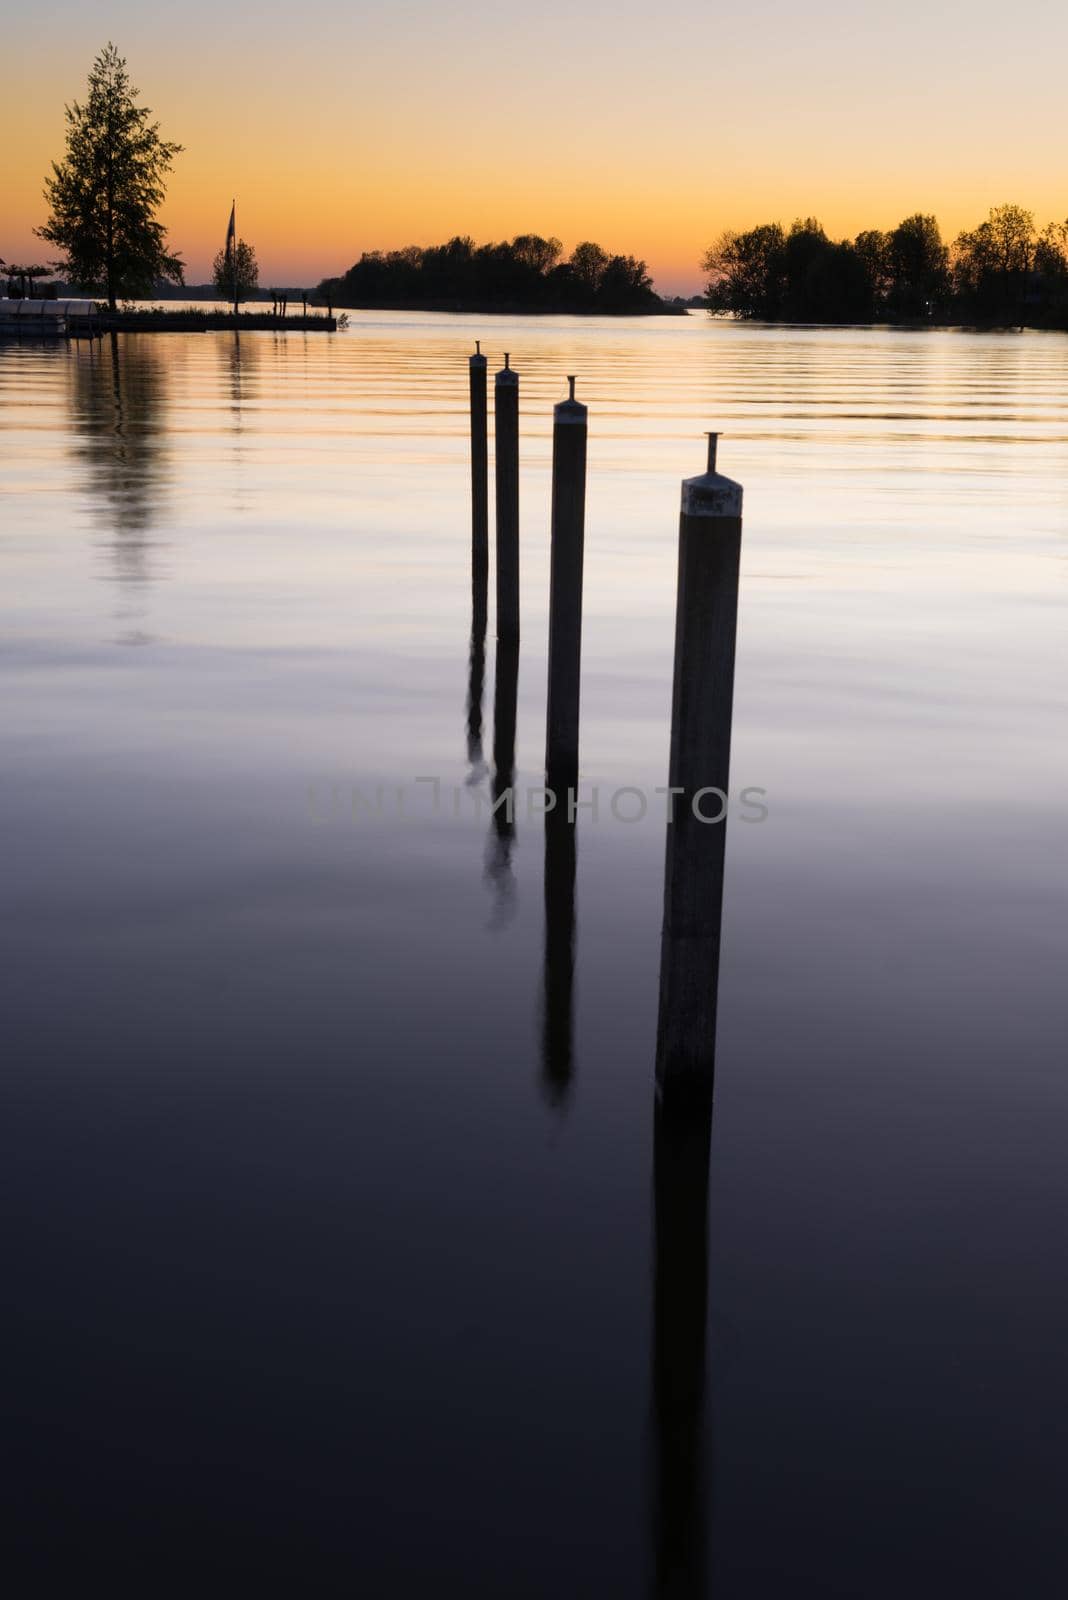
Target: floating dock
49	319
81	319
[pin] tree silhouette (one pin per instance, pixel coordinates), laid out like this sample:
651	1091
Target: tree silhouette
748	272
1051	250
803	276
588	263
535	252
919	267
236	277
524	274
623	283
103	196
993	262
873	252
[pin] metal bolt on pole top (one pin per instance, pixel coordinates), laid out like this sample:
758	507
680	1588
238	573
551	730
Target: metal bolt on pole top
565	594
706	622
506	424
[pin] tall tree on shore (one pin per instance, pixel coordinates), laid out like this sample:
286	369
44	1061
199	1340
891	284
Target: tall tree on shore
104	195
919	267
540	255
1051	251
873	252
588	262
748	272
992	263
237	276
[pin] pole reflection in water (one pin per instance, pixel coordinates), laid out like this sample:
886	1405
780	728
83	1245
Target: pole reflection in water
476	678
557	999
682	1130
499	869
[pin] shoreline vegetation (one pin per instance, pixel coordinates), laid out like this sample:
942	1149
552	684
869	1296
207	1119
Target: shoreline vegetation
526	275
198	319
1003	273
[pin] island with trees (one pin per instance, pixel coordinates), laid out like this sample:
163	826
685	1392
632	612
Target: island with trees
526	274
1002	273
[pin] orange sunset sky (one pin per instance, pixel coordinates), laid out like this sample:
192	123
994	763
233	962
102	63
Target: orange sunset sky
347	127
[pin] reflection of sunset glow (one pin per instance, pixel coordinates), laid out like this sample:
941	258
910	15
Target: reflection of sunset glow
358	128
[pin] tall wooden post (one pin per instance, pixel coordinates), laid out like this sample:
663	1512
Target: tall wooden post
565	595
506	423
479	472
706	621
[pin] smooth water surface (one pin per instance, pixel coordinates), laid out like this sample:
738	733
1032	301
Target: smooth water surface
330	1240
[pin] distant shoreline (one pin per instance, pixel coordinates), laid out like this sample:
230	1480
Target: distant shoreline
509	309
153	315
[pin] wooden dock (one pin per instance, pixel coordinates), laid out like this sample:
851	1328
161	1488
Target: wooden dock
160	320
73	319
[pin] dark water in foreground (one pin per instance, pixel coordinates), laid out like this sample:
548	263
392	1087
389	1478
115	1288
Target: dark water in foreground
330	1262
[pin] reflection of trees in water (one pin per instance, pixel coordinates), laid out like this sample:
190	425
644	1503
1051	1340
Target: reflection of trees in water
118	401
234	357
238	360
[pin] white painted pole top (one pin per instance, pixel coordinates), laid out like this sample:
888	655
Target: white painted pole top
711	495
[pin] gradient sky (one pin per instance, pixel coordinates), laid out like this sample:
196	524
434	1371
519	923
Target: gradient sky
343	125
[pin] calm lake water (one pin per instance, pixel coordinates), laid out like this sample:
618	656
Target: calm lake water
329	1265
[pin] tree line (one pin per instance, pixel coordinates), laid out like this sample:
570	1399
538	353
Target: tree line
1002	273
527	273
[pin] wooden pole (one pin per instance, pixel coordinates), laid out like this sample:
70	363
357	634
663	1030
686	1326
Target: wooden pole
565	595
706	621
506	424
477	370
